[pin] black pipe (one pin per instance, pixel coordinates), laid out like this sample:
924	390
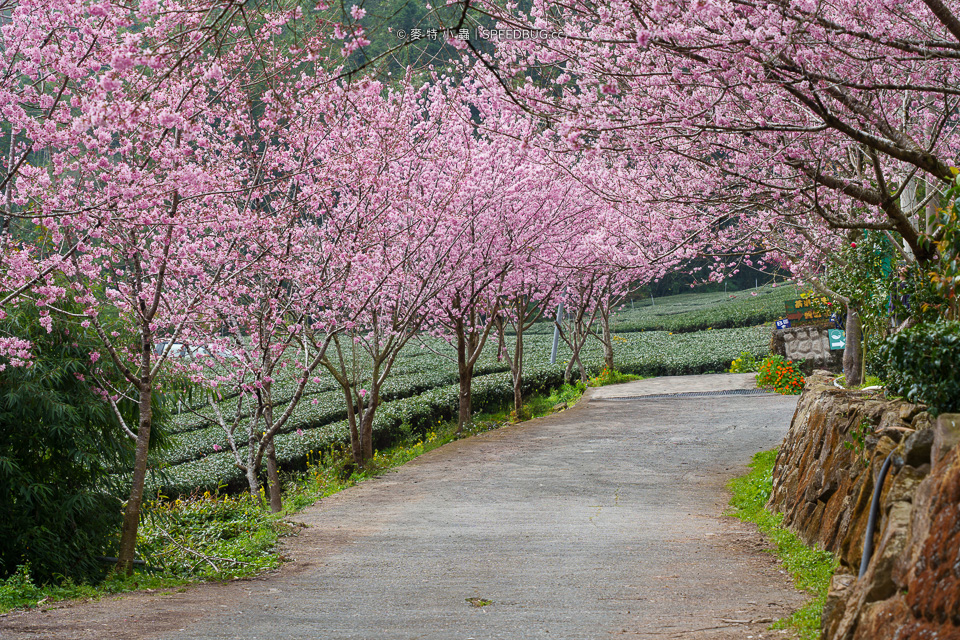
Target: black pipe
872	520
108	560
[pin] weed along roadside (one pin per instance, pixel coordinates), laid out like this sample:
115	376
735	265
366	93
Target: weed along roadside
811	568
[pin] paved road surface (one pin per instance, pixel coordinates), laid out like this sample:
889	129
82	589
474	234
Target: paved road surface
601	521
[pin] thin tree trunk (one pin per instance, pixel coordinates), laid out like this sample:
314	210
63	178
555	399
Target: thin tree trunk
252	481
607	338
273	470
465	376
273	478
252	443
465	405
517	370
131	515
366	436
853	351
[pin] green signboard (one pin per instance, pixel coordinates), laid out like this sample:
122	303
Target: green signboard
804	310
837	339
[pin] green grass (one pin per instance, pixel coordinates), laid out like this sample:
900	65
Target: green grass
611	376
811	568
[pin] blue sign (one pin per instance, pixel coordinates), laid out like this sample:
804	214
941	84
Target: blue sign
783	324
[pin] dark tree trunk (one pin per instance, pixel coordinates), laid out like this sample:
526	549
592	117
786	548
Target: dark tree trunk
465	406
366	436
273	478
131	514
465	376
518	372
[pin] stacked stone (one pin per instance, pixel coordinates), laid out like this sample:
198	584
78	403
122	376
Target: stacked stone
911	589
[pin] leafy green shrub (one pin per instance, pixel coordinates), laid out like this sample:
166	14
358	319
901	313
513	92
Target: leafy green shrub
781	374
58	441
922	365
746	362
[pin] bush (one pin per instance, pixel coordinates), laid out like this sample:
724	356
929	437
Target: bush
921	365
745	363
58	440
610	376
781	374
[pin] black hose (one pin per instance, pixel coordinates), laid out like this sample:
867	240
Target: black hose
874	513
108	560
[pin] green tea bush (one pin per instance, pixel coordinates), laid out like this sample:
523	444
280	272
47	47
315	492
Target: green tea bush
922	365
701	311
425	391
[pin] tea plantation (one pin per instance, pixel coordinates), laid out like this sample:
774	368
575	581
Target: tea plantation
684	334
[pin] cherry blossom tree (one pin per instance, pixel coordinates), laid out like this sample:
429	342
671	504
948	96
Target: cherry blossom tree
130	163
798	124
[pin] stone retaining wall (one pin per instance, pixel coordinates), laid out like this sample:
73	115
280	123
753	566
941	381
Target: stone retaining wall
911	589
807	344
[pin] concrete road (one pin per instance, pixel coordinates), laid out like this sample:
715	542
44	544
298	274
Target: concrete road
603	520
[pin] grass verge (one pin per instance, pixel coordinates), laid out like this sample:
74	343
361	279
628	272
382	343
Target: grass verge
811	568
223	537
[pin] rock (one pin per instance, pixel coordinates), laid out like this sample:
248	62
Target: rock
823	484
878	583
933	579
841	584
904	485
921	421
908	411
946	436
916	448
879	619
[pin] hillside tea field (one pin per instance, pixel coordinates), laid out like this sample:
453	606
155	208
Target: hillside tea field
698	311
650	341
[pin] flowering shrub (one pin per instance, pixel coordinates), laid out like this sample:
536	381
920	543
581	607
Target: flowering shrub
610	376
781	374
745	363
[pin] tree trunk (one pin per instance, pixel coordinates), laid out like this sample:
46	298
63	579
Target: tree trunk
568	372
853	351
465	375
607	338
366	436
465	407
273	478
355	447
131	515
517	370
583	371
251	473
252	443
